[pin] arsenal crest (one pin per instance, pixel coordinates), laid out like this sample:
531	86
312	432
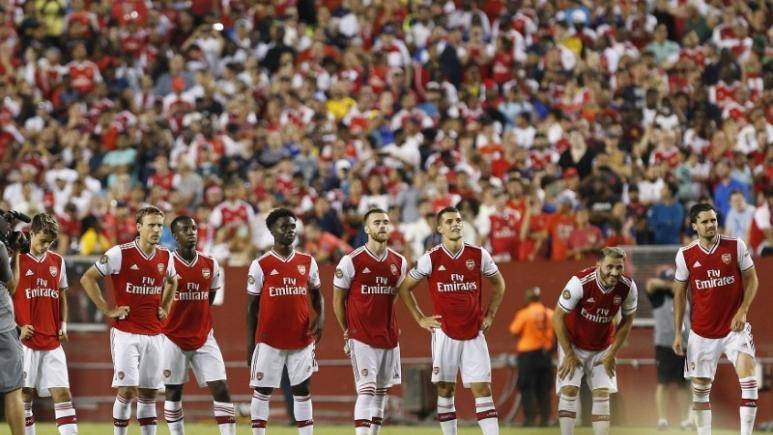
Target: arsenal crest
302	269
339	273
167	373
470	264
206	273
393	269
53	270
435	370
364	372
160	267
259	376
616	300
121	375
727	258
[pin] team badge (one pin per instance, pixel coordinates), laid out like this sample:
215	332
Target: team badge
302	269
339	273
121	375
259	376
727	258
566	294
167	373
206	273
364	372
160	267
53	270
436	370
251	280
393	269
103	259
470	264
692	365
616	300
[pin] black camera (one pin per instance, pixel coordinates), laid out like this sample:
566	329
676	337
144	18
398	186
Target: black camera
14	240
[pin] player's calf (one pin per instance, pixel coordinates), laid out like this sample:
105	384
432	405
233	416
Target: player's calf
64	412
222	407
600	411
567	409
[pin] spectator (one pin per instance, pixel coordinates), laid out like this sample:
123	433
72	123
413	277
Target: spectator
94	239
323	246
560	227
723	187
585	238
739	219
761	232
666	218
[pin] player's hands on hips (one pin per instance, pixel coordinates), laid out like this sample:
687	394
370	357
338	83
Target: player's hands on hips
430	322
27	331
486	324
118	312
739	320
316	329
568	365
608	361
677	345
63	332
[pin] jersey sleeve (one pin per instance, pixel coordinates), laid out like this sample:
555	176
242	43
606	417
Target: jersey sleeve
171	272
571	295
217	276
63	284
314	281
487	265
423	268
403	270
745	261
631	301
681	273
255	279
344	273
110	263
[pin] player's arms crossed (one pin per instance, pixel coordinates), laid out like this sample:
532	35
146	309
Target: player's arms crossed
90	283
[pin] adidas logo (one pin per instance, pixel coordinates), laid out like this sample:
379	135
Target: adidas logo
29	273
274	272
366	270
134	267
441	267
591	300
697	264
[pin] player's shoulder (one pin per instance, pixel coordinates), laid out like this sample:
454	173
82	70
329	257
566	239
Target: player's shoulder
356	252
627	281
125	246
301	256
396	254
689	247
54	257
205	257
586	275
728	240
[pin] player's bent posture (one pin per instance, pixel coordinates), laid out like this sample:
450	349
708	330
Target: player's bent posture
455	270
144	282
279	332
723	282
40	304
190	340
588	338
366	282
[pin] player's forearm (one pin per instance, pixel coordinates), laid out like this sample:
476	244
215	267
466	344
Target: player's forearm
679	304
170	287
623	330
252	320
91	287
318	303
339	308
64	308
410	302
750	286
497	295
562	335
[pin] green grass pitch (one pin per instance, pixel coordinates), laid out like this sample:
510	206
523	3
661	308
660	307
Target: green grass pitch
243	429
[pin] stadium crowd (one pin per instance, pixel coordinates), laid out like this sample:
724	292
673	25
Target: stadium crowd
557	126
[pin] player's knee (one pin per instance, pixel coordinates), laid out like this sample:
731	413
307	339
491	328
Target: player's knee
60	395
128	393
302	389
266	391
600	392
219	391
745	365
147	393
570	391
481	389
445	389
174	393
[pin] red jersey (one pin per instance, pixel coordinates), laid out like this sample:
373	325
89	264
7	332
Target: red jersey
504	236
716	283
42	282
190	320
371	285
138	281
84	75
229	213
283	285
455	284
591	308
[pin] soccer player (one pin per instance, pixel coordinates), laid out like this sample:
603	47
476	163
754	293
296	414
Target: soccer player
723	282
190	340
144	282
588	339
455	270
366	282
40	304
279	332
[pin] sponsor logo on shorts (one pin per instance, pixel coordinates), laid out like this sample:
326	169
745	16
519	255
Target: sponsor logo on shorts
339	273
727	258
53	270
435	370
364	372
160	267
167	373
302	269
206	273
566	294
121	375
470	264
259	376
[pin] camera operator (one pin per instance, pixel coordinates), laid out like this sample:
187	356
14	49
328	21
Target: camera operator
11	376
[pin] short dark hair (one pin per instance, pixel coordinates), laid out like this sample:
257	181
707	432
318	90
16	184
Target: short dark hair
449	209
698	209
276	214
178	221
45	223
372	211
147	211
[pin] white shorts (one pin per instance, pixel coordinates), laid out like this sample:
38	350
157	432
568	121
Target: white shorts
449	356
136	359
268	363
374	366
703	353
591	368
44	369
206	362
